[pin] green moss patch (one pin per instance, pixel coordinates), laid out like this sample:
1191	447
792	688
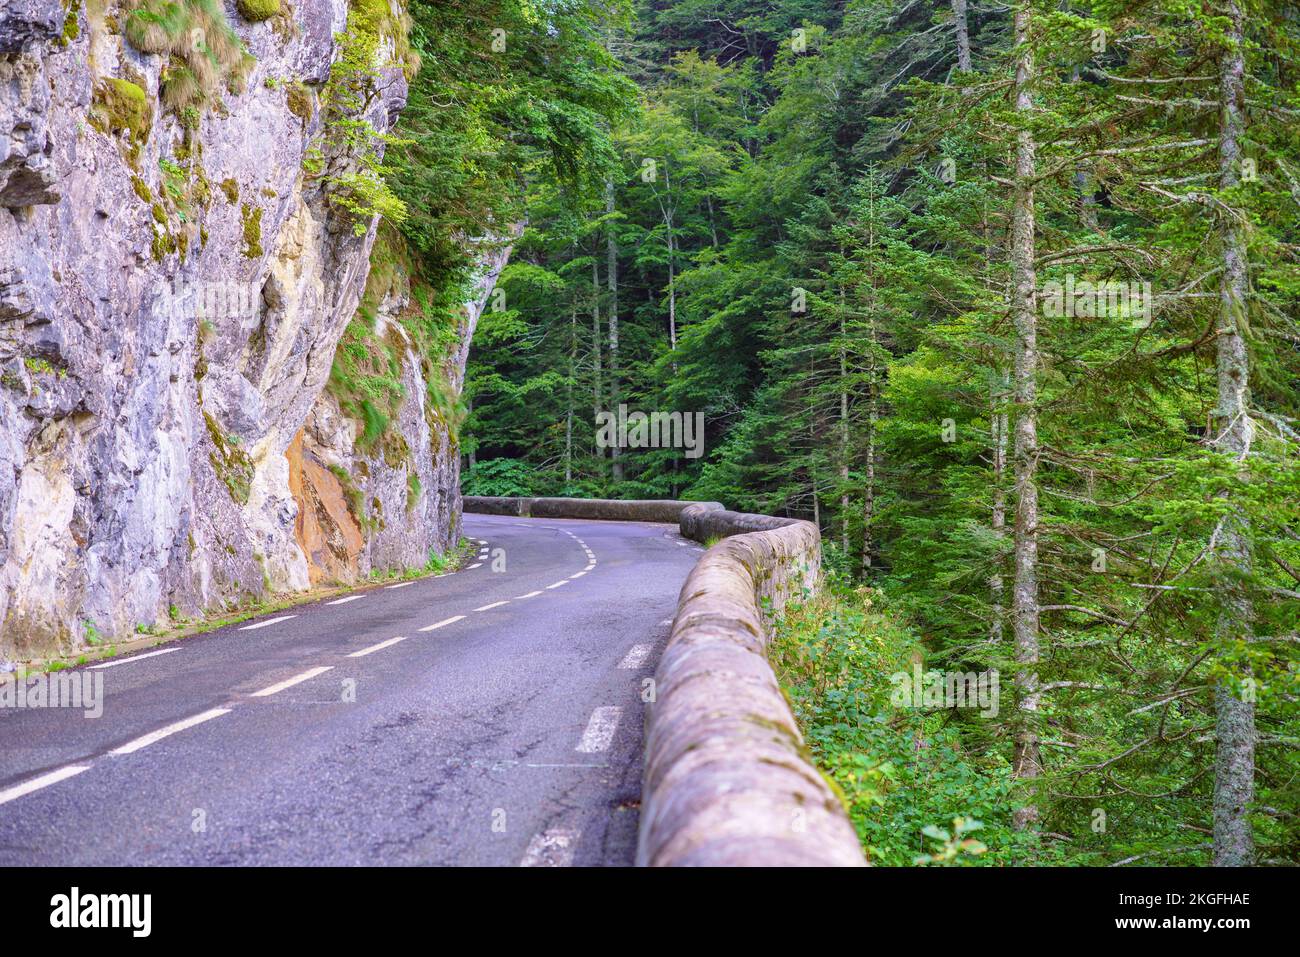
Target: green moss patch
120	106
252	218
256	11
301	102
232	464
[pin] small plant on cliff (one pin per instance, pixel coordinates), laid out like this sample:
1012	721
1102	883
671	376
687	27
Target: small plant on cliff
202	49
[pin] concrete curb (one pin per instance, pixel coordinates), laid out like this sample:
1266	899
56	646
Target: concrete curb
727	781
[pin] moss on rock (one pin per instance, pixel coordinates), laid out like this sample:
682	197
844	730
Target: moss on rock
252	218
120	106
301	102
256	11
232	465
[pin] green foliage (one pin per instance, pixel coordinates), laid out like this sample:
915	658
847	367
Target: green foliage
347	159
508	477
903	772
812	247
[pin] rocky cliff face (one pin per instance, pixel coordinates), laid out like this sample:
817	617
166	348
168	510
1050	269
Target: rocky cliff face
172	292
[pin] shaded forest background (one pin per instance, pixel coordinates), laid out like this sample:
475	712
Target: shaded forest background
835	229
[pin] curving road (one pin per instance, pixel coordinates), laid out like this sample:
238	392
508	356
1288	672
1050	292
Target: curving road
485	717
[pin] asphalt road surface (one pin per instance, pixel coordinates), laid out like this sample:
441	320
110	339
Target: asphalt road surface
484	717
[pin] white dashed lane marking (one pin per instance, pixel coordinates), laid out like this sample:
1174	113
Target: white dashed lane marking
553	848
127	661
439	624
43	781
531	594
344	601
269	621
600	730
290	682
153	737
558	584
379	647
475	565
400	585
495	604
635	657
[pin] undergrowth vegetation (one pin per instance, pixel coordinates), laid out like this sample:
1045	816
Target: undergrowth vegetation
915	792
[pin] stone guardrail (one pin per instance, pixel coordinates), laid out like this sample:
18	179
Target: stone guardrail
727	780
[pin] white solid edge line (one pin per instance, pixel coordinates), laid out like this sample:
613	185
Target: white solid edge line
531	594
495	604
635	657
155	736
600	729
42	781
400	585
344	601
445	621
127	661
290	682
379	647
269	621
553	848
558	584
577	575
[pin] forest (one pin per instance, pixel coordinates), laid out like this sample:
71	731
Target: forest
1001	296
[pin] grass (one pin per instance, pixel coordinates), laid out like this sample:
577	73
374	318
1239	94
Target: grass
203	52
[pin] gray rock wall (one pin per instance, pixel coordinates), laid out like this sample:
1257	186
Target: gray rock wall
170	306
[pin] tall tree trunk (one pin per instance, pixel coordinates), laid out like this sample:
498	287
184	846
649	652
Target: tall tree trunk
611	277
962	29
844	436
672	292
470	457
869	478
998	422
573	372
1234	768
1024	310
597	386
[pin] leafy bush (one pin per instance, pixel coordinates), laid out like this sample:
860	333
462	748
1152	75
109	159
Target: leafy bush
507	477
